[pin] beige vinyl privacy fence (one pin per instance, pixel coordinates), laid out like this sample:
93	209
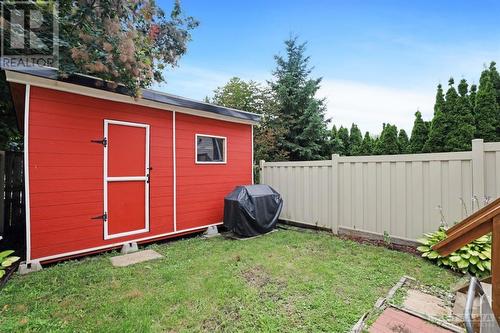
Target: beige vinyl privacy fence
400	195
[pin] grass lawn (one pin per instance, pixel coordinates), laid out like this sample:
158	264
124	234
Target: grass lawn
284	281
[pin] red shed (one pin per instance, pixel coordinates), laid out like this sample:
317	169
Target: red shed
103	169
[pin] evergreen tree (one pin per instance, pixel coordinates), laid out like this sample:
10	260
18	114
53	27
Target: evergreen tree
403	142
486	109
387	143
450	110
333	143
355	141
419	134
439	125
462	127
367	145
343	140
300	113
495	79
377	149
376	140
472	99
333	132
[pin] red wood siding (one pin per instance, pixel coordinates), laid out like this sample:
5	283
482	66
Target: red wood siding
66	169
201	187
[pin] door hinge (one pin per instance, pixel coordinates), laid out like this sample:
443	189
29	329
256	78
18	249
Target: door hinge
103	142
103	217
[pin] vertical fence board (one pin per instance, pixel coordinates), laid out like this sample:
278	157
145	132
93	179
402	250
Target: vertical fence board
347	198
492	174
357	198
386	197
299	190
378	171
454	194
2	191
400	200
325	181
417	202
393	222
466	201
433	215
371	196
314	193
341	193
445	191
293	194
426	194
14	215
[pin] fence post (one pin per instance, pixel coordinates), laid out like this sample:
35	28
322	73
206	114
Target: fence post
478	173
261	171
334	190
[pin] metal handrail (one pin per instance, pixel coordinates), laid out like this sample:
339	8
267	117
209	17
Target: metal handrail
471	295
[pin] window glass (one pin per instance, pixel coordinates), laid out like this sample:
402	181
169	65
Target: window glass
210	149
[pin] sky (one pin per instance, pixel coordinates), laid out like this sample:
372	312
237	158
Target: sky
380	60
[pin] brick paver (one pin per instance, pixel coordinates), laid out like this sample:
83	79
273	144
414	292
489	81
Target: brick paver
395	321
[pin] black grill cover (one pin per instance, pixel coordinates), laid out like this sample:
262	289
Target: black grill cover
252	210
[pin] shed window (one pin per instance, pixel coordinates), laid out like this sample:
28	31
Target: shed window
210	149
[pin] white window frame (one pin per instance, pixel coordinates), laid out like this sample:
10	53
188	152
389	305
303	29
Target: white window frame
209	136
108	179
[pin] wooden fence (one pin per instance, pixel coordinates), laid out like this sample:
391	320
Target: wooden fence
399	195
12	213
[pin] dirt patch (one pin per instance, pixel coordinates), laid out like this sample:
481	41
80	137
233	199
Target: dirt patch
21	308
134	293
216	323
257	277
268	287
377	242
115	284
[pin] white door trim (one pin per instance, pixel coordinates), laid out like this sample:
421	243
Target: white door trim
251	169
27	94
125	179
174	165
107	179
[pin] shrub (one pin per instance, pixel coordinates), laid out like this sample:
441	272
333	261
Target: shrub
6	260
473	258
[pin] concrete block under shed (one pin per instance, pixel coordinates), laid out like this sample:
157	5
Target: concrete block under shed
134	258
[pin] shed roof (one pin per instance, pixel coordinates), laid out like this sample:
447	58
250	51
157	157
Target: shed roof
146	94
